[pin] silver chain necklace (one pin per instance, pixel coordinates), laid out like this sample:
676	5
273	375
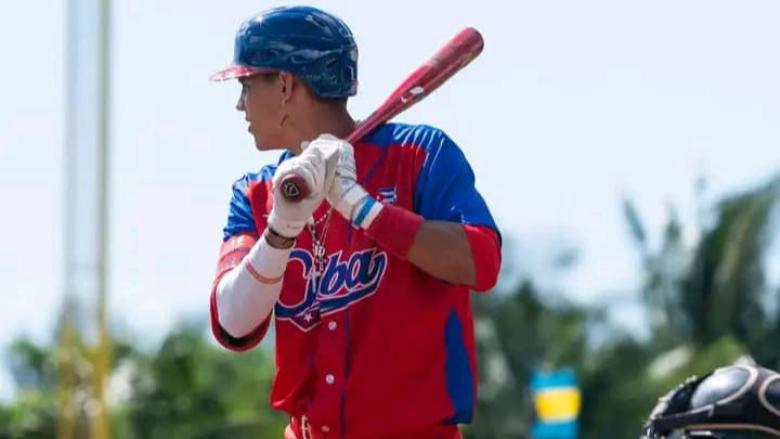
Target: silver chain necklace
318	244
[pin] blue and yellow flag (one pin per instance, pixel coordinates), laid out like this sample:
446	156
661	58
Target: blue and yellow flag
557	402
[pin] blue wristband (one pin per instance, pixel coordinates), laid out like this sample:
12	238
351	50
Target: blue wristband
367	205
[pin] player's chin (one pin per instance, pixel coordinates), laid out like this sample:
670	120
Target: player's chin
264	142
262	146
259	144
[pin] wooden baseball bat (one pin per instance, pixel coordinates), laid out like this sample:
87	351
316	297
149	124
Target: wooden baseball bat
453	56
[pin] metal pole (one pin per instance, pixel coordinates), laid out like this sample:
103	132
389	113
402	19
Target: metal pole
84	327
102	428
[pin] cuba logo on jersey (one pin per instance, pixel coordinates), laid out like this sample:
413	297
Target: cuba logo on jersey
342	283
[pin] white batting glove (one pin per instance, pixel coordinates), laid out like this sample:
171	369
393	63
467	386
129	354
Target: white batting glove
346	195
317	167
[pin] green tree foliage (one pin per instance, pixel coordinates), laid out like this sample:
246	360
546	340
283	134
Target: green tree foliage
715	287
525	334
193	389
188	388
517	334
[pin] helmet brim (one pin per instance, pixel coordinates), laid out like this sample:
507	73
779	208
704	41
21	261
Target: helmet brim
236	71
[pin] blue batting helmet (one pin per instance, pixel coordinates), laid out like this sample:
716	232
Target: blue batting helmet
315	46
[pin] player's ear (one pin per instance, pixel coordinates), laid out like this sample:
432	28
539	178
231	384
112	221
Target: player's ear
286	83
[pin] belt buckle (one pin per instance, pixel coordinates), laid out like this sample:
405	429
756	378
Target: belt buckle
306	428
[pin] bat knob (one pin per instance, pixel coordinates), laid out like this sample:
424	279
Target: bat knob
294	188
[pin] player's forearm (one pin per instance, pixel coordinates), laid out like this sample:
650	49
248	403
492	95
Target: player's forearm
463	255
442	250
246	295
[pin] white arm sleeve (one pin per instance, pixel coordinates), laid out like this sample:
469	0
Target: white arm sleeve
246	294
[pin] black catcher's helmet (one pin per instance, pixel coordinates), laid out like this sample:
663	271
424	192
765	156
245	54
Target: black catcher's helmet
735	402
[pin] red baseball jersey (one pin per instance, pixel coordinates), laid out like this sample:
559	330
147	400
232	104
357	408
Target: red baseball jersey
375	344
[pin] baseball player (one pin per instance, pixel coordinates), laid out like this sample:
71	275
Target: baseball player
735	402
367	279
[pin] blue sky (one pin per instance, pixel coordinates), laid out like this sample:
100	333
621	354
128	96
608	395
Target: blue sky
571	105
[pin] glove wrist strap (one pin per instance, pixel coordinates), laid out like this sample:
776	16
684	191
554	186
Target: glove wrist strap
367	212
276	240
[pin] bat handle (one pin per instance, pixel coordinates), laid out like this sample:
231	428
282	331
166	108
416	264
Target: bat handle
294	188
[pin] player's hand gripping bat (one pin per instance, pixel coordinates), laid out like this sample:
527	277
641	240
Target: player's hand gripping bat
453	56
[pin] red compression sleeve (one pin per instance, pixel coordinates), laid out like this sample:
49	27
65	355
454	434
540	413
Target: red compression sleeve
395	229
486	252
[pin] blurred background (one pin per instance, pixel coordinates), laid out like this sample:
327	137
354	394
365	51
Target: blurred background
628	150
